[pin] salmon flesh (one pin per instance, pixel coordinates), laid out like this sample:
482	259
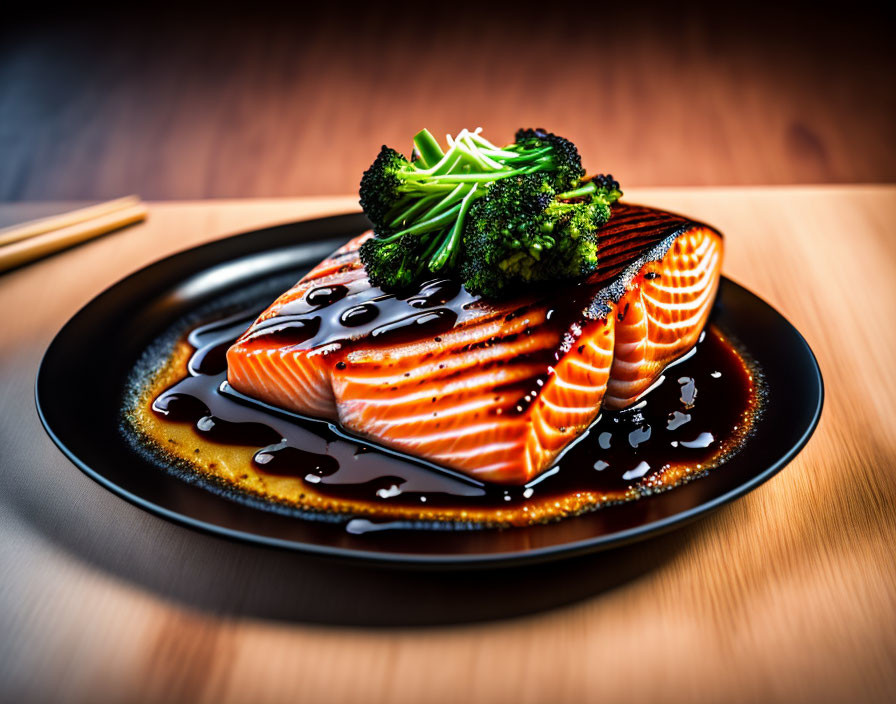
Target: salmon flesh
495	390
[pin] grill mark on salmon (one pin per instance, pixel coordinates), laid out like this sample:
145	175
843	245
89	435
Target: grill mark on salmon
500	391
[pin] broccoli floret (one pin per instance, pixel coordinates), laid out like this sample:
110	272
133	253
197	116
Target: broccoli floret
393	264
565	162
380	184
419	208
522	232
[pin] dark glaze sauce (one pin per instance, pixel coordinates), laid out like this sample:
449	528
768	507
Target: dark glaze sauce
693	414
329	315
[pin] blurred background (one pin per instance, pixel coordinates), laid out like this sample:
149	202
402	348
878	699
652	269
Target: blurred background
199	102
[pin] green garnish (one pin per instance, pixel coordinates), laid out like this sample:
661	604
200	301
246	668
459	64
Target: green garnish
499	217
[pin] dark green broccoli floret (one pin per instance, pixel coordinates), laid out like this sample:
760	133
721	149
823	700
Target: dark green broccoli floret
393	263
566	164
522	232
420	208
380	184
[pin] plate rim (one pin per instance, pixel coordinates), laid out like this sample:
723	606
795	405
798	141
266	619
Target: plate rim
409	559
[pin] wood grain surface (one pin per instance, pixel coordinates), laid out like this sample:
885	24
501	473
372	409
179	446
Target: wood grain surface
787	595
179	103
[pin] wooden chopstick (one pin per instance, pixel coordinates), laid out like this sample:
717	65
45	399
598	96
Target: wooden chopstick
26	230
23	251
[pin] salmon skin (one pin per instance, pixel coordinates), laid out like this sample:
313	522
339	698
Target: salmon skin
495	390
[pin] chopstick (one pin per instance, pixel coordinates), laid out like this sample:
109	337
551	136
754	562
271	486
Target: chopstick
57	222
24	243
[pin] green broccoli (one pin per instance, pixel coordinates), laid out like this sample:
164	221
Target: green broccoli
418	207
397	262
499	217
522	232
566	164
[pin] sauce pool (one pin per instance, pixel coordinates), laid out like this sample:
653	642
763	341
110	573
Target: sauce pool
695	416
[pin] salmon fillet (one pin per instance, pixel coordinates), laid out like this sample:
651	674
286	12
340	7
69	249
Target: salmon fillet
495	390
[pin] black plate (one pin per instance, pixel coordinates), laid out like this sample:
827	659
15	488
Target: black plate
79	396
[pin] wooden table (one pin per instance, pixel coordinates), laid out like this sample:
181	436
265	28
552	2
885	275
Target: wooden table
788	594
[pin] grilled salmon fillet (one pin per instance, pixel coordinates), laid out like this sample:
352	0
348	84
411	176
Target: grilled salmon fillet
495	390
